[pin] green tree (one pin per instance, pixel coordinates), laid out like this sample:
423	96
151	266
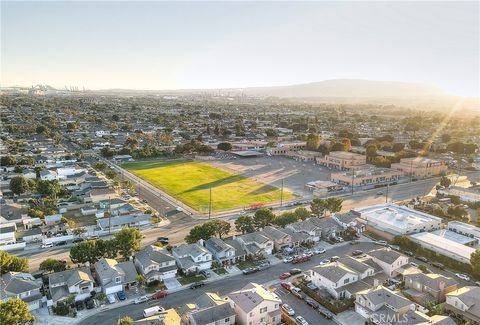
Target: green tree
244	224
318	206
457	211
27	161
371	150
12	263
445	181
423	268
338	146
19	185
128	241
263	217
302	213
285	218
225	146
85	251
333	204
203	231
8	160
222	227
140	279
51	264
49	188
475	262
126	320
313	141
15	311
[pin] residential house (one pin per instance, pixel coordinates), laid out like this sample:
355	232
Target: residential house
256	244
240	252
221	251
118	222
99	194
7	233
333	277
429	287
155	264
113	276
279	237
380	305
389	260
48	175
209	309
307	227
22	286
169	317
192	258
78	282
255	305
465	303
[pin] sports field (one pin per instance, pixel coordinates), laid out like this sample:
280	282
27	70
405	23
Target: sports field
190	182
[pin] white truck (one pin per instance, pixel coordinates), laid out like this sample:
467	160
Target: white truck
152	311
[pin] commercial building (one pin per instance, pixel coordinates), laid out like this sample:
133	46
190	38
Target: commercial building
342	160
456	237
370	175
471	194
286	148
444	246
420	167
397	220
464	229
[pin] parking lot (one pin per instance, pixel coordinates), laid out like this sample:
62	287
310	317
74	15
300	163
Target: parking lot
272	170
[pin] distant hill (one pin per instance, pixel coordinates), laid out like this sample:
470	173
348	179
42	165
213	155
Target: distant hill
350	88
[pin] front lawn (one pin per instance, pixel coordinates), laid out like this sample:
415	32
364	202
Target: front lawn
244	265
220	271
190	279
190	182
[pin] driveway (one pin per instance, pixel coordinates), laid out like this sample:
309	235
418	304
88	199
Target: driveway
350	317
172	283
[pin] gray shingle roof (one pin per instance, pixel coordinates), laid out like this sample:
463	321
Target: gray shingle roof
386	255
13	283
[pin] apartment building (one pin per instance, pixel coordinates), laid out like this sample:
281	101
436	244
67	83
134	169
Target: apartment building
420	167
343	160
369	175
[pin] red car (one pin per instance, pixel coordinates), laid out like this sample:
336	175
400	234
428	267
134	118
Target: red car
301	259
159	295
284	276
285	285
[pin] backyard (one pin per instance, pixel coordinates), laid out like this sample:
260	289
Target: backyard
191	182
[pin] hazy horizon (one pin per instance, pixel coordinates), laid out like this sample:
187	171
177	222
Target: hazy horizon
195	45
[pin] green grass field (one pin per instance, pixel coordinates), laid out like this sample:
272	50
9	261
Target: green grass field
190	182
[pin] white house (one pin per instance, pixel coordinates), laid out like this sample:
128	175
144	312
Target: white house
78	282
192	258
155	264
389	260
332	277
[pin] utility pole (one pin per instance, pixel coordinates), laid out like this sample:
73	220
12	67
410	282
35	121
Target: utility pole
281	195
411	171
210	205
386	194
109	215
353	178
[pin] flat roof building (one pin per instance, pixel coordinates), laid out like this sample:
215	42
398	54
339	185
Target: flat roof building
342	160
444	246
370	175
420	166
464	229
396	219
456	237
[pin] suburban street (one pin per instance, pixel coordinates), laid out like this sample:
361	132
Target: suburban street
269	277
179	223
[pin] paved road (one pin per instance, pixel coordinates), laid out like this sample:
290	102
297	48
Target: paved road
268	277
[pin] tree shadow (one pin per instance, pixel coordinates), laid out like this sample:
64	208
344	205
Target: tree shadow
217	183
140	165
263	190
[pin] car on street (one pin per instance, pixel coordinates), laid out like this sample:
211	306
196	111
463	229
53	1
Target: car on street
301	259
249	270
121	295
301	321
423	259
408	253
462	276
197	285
308	253
295	271
381	242
284	276
205	273
325	313
141	299
286	285
297	292
439	265
394	247
353	242
159	295
477	283
287	259
179	209
162	239
357	252
334	258
312	286
47	245
380	193
325	261
312	303
319	251
413	264
90	303
288	310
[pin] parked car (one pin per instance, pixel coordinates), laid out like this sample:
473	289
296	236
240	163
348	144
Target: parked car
79	305
159	295
121	295
197	285
300	259
205	273
381	242
77	240
413	264
141	299
297	292
477	283
111	298
325	261
325	313
380	193
462	276
312	286
60	243
354	242
47	245
308	253
439	265
295	271
319	251
334	258
286	285
288	310
249	270
287	259
394	247
301	321
312	303
423	259
408	253
357	252
284	276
